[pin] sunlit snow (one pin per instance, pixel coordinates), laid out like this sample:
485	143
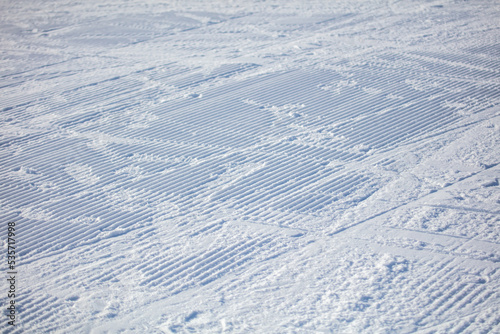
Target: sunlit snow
251	167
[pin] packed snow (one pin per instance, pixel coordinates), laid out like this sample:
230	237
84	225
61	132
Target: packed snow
251	167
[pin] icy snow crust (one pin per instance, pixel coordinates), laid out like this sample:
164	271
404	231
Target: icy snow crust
265	167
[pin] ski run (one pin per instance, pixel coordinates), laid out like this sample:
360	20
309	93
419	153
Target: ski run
250	166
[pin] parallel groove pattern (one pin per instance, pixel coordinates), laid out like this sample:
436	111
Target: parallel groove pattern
191	168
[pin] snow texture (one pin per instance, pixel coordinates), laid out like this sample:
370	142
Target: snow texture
252	167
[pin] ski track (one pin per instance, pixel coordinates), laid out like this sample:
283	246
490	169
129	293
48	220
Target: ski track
152	154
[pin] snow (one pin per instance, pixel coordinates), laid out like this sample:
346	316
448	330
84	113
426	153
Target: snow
252	167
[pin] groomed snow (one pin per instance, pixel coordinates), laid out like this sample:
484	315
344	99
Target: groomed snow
251	167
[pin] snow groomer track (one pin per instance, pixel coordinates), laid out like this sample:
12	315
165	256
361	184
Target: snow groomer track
264	167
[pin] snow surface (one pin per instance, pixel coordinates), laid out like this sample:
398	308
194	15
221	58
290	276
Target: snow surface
252	167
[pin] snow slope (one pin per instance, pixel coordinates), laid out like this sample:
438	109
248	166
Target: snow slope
266	167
